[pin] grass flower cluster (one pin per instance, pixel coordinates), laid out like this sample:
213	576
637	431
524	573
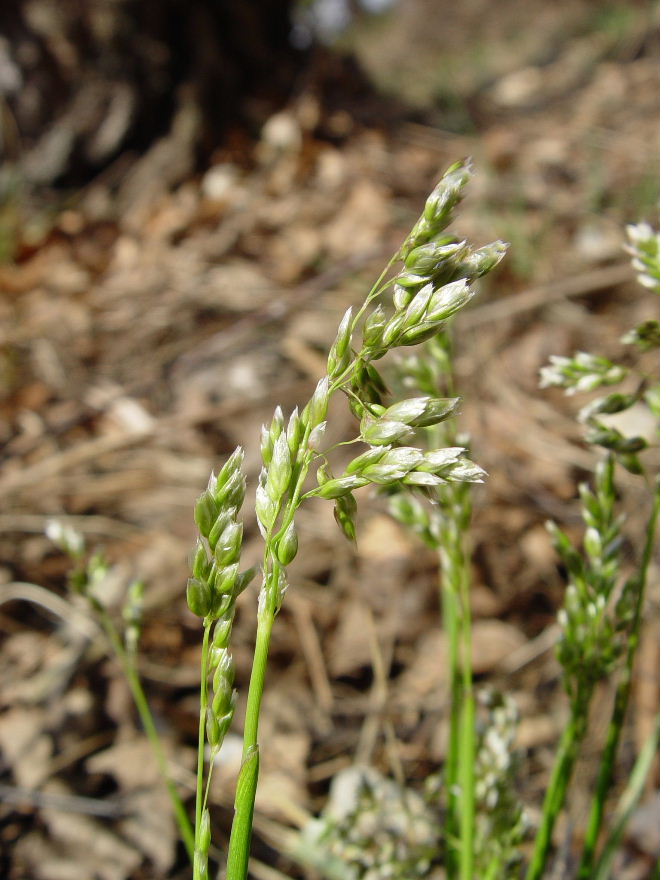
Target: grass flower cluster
372	828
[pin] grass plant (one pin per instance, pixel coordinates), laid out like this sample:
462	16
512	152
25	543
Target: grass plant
476	785
409	449
602	614
444	527
402	309
485	824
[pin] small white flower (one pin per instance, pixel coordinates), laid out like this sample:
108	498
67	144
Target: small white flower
65	537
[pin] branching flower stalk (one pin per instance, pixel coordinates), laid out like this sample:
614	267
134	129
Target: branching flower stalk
644	246
212	591
600	620
637	590
588	649
445	528
433	285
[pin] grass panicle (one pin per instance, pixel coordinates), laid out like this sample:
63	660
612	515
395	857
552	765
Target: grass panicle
401	310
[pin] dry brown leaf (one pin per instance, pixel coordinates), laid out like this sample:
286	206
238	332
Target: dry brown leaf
360	222
294	252
25	745
151	826
238	286
484	602
282	773
537	731
349	648
382	540
91	845
644	828
492	642
43	859
131	762
537	548
427	673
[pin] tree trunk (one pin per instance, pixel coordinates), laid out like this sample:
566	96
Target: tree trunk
83	80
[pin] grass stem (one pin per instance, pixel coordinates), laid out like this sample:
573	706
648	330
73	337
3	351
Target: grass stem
450	617
561	774
241	831
199	863
467	736
629	800
257	680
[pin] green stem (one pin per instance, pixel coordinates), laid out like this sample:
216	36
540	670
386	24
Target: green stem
629	800
257	679
621	699
375	291
493	870
454	502
241	828
451	625
468	745
149	726
199	862
461	750
241	831
561	774
604	780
